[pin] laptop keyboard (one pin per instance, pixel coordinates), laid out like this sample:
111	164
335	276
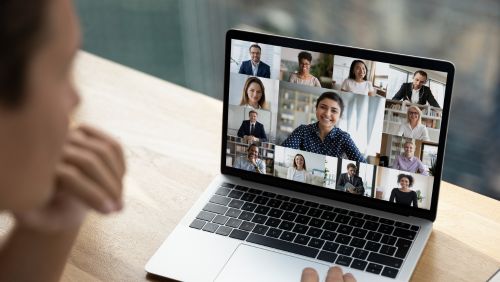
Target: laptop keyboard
335	235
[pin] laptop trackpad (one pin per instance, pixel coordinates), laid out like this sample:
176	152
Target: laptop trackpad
249	263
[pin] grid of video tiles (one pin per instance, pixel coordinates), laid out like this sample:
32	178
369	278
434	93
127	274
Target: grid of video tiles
391	119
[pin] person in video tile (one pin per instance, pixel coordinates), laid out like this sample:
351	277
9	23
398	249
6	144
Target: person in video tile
255	66
408	162
303	76
298	171
251	130
404	195
416	91
251	161
357	81
413	127
323	137
350	182
254	94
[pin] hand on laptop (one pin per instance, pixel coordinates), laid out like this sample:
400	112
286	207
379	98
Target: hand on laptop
334	275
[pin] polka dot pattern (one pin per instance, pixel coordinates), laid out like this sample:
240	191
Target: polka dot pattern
337	143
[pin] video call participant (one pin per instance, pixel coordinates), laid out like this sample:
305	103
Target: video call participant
298	171
353	182
404	195
413	127
254	94
416	92
408	162
251	130
303	75
357	81
251	161
255	66
323	137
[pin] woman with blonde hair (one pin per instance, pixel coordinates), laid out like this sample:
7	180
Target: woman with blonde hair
413	127
254	94
298	171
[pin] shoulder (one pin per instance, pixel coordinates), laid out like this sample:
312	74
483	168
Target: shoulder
264	64
394	190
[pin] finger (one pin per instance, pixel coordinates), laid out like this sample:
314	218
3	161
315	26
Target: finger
115	146
348	277
93	168
334	275
309	275
70	179
101	149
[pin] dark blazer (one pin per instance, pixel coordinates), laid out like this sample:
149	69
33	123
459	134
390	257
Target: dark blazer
425	94
356	182
263	71
259	131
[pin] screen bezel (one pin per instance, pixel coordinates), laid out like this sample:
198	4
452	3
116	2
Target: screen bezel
380	56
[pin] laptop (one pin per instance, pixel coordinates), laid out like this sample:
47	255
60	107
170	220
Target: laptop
302	120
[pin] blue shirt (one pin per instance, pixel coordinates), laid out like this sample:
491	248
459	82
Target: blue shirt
243	163
336	144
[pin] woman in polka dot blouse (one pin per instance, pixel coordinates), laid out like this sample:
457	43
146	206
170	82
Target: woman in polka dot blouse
323	137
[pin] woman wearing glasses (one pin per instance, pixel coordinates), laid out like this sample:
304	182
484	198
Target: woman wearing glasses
413	127
303	76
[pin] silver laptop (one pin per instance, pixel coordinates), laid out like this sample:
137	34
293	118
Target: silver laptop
331	155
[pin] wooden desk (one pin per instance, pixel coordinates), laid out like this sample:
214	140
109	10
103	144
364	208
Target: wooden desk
171	137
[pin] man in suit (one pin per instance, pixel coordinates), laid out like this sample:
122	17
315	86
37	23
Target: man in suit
350	181
251	130
416	92
254	66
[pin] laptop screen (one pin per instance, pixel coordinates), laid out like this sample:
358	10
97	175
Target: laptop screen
358	123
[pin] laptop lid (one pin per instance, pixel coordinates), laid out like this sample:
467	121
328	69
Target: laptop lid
356	125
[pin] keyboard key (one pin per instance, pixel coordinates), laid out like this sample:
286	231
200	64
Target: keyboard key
331	247
301	229
372	246
233	212
332	226
360	254
261	200
283	245
356	222
315	222
371	217
370	225
301	209
247	226
360	233
327	215
226	184
389	240
357	242
404	233
342	211
273	203
198	224
236	204
246	216
402	225
273	232
390	272
273	222
207	216
283	197
262	210
260	219
302	239
386	221
275	213
359	264
316	243
311	204
414	228
314	232
239	234
233	222
286	225
268	194
313	212
210	227
345	250
374	268
287	236
249	207
341	218
403	248
344	229
327	256
241	188
222	191
326	208
356	214
260	229
247	197
290	216
328	235
223	230
220	219
373	236
302	219
221	200
235	194
215	208
385	260
343	239
384	228
343	260
387	250
287	206
297	201
254	191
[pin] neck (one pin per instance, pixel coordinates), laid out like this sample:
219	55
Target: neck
413	124
408	156
359	80
255	105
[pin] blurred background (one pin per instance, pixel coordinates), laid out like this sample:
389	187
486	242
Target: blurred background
182	41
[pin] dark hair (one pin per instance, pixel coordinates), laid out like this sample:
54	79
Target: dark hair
335	97
244	96
254	46
409	177
351	70
295	165
21	26
252	111
351	165
305	55
421	72
252	145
